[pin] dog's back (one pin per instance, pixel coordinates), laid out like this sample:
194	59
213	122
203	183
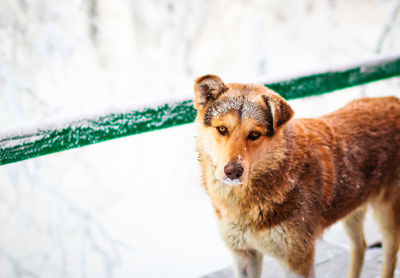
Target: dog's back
356	152
368	131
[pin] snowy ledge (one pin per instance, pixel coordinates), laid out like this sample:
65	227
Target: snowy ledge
59	134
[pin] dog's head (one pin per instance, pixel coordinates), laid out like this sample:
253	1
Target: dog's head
238	126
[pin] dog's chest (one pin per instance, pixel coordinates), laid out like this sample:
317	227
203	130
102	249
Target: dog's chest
239	236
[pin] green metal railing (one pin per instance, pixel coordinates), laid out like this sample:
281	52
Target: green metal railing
91	130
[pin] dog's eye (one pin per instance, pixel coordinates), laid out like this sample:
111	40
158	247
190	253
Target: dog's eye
222	130
254	135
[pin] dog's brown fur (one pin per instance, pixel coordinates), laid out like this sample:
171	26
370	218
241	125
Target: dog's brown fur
300	176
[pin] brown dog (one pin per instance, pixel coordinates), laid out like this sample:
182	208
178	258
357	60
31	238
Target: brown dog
276	182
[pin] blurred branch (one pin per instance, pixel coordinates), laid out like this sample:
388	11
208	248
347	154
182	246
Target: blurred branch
93	12
60	239
20	269
388	28
383	36
88	222
103	244
14	182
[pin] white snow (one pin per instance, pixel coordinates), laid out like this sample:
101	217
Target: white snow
230	182
61	122
365	65
19	142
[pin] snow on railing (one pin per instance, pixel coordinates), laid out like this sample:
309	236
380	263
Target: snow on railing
54	135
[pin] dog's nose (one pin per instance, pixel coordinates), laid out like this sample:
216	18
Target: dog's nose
233	170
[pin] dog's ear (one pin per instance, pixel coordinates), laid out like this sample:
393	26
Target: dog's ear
207	89
280	110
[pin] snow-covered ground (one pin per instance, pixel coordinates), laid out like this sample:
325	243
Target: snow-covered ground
134	207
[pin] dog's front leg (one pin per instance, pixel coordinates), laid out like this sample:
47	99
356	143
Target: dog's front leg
290	274
294	267
247	263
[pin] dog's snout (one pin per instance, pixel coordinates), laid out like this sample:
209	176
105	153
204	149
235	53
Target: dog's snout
233	170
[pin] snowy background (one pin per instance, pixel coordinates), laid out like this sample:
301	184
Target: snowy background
134	207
